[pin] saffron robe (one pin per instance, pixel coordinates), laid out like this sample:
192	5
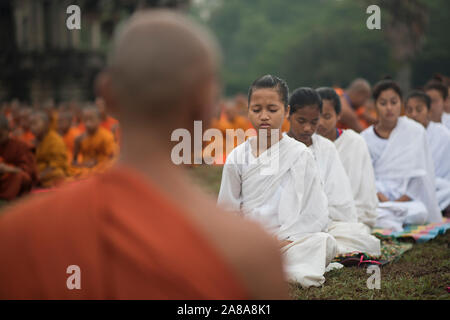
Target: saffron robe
69	140
403	166
350	234
18	154
99	147
127	238
355	158
51	153
281	190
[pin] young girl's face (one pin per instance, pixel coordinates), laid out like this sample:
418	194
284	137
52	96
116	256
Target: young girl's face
437	105
328	119
416	109
304	123
266	110
388	106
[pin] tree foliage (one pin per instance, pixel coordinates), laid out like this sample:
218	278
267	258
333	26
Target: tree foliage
325	42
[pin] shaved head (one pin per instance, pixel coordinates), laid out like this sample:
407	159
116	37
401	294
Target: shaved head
158	57
42	116
40	123
359	85
359	92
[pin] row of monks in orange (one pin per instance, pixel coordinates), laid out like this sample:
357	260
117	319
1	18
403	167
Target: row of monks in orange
43	147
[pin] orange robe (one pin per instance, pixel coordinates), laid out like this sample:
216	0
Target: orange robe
360	112
286	125
109	123
126	237
239	122
51	153
69	141
27	137
100	148
16	153
54	121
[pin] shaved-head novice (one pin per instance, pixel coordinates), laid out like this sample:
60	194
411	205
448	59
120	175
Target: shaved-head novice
142	230
353	114
17	165
51	152
94	150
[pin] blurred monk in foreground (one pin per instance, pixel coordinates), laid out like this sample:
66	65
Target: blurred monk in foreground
142	230
51	152
354	115
17	165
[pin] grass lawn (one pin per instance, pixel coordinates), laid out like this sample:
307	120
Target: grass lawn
421	273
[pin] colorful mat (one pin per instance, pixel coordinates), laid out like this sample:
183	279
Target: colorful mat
418	233
391	250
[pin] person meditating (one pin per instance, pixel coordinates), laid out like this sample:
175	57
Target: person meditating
402	162
273	179
351	235
417	107
354	155
18	172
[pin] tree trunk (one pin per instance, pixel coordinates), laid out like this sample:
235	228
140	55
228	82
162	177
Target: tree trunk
403	77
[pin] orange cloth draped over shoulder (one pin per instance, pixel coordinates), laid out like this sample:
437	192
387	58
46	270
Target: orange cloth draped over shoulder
359	113
69	141
127	238
99	148
239	122
27	137
16	153
51	153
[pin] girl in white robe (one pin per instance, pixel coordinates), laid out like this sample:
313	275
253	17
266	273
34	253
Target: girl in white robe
354	155
279	187
402	163
351	235
417	106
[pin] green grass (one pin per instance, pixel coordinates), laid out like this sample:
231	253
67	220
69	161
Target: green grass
421	273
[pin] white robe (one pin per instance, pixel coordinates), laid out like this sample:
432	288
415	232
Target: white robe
446	120
439	141
289	203
355	158
349	234
403	166
341	205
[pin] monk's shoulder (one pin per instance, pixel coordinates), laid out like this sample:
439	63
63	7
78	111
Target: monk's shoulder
253	254
105	134
40	209
246	242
